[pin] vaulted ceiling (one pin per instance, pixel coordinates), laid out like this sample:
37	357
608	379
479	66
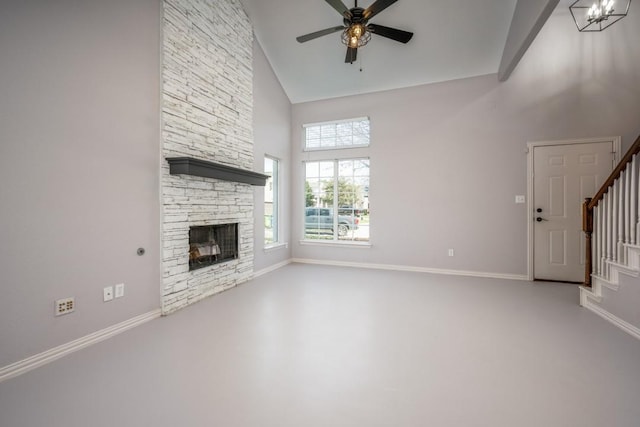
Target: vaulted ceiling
452	39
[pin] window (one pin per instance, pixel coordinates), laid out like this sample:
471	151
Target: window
340	134
336	189
271	201
337	200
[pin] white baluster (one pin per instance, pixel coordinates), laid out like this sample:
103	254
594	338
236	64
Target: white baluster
635	204
609	220
595	242
601	227
614	222
634	200
627	204
620	243
605	232
610	228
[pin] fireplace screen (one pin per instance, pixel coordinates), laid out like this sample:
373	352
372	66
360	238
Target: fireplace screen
212	244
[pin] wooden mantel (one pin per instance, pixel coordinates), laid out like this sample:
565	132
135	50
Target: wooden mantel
197	167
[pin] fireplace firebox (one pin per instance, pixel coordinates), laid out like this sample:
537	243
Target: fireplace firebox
212	244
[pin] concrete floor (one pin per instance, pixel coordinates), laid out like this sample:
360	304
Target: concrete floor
326	346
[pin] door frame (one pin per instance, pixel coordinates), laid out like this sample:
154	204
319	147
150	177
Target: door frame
617	146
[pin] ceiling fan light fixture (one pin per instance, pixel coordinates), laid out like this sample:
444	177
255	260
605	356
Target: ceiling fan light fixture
356	35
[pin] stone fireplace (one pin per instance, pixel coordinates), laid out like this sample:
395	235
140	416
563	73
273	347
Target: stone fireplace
207	108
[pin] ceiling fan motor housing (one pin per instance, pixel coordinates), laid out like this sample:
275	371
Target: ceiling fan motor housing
357	17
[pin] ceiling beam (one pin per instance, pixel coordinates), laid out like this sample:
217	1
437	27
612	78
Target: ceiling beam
528	18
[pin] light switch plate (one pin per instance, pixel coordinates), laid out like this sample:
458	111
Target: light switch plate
119	290
520	199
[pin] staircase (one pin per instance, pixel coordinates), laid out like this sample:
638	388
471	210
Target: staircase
611	222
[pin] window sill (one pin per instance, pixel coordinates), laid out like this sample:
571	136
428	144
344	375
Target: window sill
336	244
340	147
275	246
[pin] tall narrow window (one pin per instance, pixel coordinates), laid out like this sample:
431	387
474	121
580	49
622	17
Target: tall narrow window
337	200
271	201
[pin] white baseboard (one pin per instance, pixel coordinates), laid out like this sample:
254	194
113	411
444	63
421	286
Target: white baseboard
624	325
271	268
412	269
48	356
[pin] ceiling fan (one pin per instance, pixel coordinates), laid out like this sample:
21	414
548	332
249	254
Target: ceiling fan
356	31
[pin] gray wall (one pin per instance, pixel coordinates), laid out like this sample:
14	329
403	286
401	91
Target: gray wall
447	159
79	161
272	136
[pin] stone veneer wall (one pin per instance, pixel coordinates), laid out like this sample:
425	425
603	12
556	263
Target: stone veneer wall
207	107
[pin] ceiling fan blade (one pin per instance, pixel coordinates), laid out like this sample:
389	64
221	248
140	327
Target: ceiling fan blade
317	34
390	33
377	7
341	8
352	54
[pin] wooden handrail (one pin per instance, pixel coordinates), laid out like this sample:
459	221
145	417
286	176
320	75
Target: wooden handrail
590	203
634	149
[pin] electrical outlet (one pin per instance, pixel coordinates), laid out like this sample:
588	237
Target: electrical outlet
450	252
119	290
107	293
65	306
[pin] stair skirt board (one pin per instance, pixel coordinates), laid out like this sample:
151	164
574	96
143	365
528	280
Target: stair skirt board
586	297
591	297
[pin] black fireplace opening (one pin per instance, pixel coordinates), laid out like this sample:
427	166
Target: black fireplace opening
212	244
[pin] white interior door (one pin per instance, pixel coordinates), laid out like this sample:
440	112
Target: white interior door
563	176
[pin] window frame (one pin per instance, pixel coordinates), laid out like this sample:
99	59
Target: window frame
275	217
305	126
335	209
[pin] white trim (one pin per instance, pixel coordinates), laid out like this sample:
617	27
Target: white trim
271	268
342	147
586	293
336	243
305	126
601	281
529	212
615	320
411	268
330	122
275	246
48	356
275	177
617	147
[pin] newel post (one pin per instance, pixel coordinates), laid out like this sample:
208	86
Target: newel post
587	227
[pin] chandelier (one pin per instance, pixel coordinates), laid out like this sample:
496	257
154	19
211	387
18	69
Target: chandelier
598	15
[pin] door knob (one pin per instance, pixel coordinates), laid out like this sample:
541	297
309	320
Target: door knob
541	219
539	210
